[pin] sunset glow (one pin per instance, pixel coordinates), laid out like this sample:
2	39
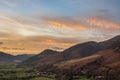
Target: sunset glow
30	26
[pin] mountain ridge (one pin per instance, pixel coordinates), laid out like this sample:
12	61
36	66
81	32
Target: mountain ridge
77	51
34	59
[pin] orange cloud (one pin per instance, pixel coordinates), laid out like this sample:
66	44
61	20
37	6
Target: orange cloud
17	35
13	25
102	23
15	45
65	23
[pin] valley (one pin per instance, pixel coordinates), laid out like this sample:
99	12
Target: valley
84	61
13	72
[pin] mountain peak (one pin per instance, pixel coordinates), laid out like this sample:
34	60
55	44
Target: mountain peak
48	51
90	43
46	54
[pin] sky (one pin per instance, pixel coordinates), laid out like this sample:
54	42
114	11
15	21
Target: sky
31	26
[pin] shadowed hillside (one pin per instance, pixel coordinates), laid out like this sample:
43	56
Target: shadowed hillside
87	59
44	58
77	51
5	57
104	63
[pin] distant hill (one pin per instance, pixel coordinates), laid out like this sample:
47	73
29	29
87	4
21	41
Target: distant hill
5	57
22	57
45	57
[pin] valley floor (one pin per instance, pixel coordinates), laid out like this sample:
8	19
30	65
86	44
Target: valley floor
13	72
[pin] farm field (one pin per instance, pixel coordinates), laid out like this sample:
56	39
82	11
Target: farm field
12	72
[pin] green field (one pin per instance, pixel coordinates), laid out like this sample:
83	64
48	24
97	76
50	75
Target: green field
11	72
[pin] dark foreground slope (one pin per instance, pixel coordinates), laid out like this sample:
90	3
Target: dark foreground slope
105	63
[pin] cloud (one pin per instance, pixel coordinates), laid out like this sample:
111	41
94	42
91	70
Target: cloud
9	3
57	48
25	44
13	48
22	31
21	34
103	23
65	22
12	25
54	40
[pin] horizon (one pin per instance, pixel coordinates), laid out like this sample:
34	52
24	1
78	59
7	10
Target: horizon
31	26
55	49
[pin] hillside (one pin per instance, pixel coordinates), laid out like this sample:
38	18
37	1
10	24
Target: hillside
88	48
45	57
102	58
5	57
22	57
81	50
105	63
75	52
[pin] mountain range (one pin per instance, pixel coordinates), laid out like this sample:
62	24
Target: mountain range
88	58
50	57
